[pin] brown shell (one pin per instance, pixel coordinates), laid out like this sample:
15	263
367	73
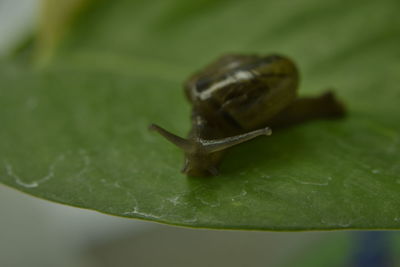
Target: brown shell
244	90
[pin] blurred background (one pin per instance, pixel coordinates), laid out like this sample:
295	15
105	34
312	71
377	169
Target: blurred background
36	232
17	20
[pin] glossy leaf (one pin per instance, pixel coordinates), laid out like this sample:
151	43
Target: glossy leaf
75	131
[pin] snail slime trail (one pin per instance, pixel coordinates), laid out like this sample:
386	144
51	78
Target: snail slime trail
238	98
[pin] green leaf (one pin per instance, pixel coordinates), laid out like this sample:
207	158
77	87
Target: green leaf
75	131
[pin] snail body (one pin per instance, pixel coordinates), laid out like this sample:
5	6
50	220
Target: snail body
235	99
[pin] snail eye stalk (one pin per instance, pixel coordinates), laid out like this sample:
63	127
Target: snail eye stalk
214	145
180	142
209	146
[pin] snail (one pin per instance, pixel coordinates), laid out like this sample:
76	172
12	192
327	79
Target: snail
239	97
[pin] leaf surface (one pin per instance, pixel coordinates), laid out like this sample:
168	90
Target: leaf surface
75	131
